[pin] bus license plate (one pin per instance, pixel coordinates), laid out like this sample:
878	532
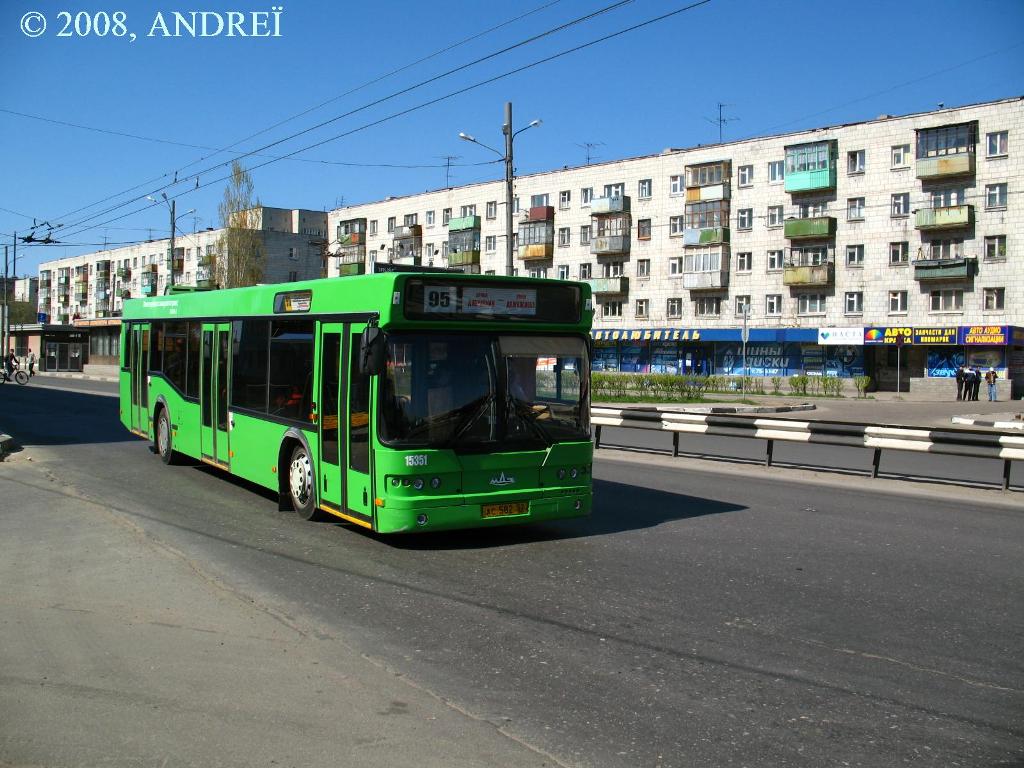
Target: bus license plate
504	510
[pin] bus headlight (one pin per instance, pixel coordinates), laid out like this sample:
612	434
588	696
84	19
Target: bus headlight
561	474
574	473
418	483
422	519
435	482
395	482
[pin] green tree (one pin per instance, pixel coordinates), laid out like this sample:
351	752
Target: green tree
21	313
241	256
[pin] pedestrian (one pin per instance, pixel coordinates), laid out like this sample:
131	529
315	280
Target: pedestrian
968	382
960	382
31	363
975	382
990	378
10	363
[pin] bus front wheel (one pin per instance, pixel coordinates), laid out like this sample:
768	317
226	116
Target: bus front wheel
164	438
302	483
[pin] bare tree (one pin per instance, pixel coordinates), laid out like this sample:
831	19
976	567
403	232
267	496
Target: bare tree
240	253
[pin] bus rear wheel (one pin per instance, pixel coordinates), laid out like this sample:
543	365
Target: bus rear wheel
302	484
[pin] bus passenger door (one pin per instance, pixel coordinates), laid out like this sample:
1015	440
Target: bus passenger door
213	393
138	367
359	425
332	439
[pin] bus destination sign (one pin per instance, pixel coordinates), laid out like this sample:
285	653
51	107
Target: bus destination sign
440	299
293	301
478	300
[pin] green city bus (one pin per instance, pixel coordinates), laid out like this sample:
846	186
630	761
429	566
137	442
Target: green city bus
401	401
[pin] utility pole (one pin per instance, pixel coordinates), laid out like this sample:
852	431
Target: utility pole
509	171
173	207
721	121
3	319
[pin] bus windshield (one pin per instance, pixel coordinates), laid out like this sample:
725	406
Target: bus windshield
484	392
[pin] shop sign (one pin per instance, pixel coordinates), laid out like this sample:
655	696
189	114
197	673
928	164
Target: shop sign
895	335
841	336
984	334
937	335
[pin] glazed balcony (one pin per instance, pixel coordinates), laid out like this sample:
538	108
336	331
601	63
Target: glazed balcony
706	281
124	272
706	236
464	241
352	254
946	217
814	227
711	192
352	232
811	167
606	285
102	269
957	268
536	251
467	222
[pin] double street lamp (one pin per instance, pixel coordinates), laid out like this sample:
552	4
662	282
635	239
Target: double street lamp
510	136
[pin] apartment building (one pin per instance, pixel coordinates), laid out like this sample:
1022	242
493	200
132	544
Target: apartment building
860	248
88	291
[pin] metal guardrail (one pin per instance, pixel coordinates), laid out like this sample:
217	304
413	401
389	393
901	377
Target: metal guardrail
878	437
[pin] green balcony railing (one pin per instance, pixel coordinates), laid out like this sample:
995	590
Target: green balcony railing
600	285
961	268
946	217
817	226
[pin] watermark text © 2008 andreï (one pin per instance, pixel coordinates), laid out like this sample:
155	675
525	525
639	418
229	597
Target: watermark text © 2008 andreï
194	24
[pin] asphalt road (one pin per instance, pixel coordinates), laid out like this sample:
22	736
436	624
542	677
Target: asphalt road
705	615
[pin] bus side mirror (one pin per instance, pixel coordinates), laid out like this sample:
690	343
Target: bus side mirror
372	351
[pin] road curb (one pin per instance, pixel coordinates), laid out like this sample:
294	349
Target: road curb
988	423
78	377
713	408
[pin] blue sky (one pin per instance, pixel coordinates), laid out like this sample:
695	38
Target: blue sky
779	66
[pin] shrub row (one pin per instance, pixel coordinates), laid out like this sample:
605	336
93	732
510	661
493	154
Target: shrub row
611	386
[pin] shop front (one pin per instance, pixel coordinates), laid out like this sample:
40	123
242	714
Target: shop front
58	348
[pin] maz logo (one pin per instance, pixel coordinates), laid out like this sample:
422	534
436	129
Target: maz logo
502	480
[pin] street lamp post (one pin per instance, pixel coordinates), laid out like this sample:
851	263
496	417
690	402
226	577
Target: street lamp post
744	336
510	135
172	204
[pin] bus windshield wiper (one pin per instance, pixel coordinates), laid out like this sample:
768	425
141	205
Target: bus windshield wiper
525	415
464	426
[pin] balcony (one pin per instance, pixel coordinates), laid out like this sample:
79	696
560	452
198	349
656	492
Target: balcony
464	241
124	273
350	268
352	238
814	268
601	206
534	251
811	167
464	258
600	285
712	192
946	217
102	268
81	296
179	264
945	166
352	255
466	222
706	236
609	245
706	281
958	268
126	294
206	261
815	227
352	232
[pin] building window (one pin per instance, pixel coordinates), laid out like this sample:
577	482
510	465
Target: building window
539	201
998	144
710	213
644	189
515	204
951	248
774	261
855	209
586	270
676	225
539	272
776	171
706	306
774	215
897	302
586	195
430	218
899	253
945	198
613	269
746	174
563	271
855	256
675	265
293	276
643	268
995	196
901	156
946	140
948	300
810	304
564	198
410	219
444	250
674	309
995	299
742	305
677	185
744	261
643	307
373	226
391	223
614	190
854	302
585	234
491	243
900	204
292	254
855	162
643	229
745	218
446	216
467	210
564	237
995	247
773	304
492	209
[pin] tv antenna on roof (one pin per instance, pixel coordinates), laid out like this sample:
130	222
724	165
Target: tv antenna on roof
448	168
588	146
721	121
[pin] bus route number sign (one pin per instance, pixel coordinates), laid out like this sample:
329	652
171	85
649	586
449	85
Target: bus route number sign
440	298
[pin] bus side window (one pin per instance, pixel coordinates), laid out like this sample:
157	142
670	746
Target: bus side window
359	412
